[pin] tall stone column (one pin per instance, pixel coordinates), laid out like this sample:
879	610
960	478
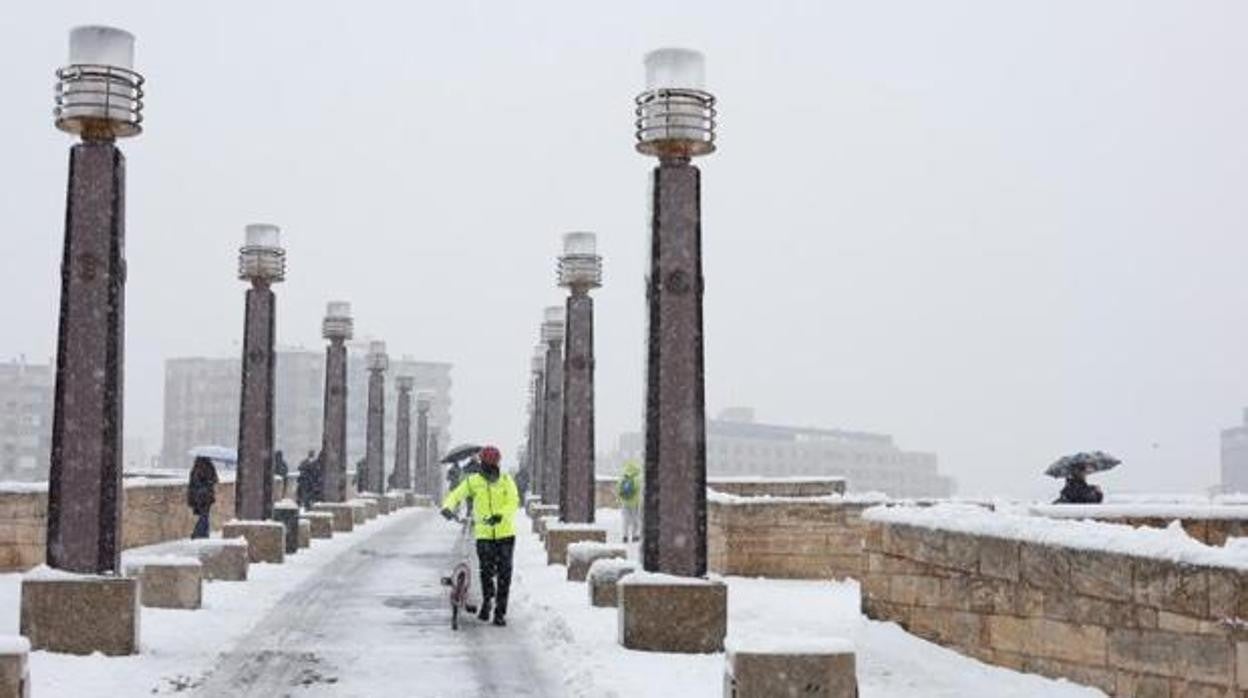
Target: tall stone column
580	269
434	467
675	123
552	429
262	262
425	483
98	99
403	434
375	420
537	448
337	328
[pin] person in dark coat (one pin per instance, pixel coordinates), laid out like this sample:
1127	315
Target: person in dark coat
305	486
201	492
1078	491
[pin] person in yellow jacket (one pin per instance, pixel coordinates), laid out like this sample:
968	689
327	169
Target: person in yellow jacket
495	501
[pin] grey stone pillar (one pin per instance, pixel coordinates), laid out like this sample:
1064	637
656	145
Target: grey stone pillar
576	503
403	435
552	428
84	482
337	328
675	475
424	474
537	448
253	494
434	467
375	421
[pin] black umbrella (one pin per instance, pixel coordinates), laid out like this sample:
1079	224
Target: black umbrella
461	452
1094	462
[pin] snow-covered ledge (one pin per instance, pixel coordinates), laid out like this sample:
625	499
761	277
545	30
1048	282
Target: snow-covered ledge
1127	610
1209	523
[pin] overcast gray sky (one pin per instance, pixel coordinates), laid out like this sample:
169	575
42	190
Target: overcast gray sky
997	230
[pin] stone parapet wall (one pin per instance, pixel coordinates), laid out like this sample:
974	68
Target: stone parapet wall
605	493
778	486
153	511
1129	624
815	538
1211	525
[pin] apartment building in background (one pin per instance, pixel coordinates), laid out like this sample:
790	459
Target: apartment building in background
737	445
202	402
26	399
1235	458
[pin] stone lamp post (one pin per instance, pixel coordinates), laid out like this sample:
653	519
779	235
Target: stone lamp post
552	407
675	122
403	433
375	420
580	269
99	98
337	327
262	263
427	471
537	423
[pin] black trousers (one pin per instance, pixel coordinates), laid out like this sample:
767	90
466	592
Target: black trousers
495	558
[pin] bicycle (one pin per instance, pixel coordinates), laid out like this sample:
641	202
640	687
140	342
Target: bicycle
459	582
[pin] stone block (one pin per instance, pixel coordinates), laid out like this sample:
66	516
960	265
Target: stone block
361	513
1044	566
419	500
372	509
582	554
396	500
603	578
559	536
167	581
662	613
999	558
266	540
320	523
1204	658
1088	675
14	667
220	559
288	516
539	511
1170	586
343	513
81	614
1100	574
305	533
542	523
1072	642
823	670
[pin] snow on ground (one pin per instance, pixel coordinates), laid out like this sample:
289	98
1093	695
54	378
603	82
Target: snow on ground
178	645
891	663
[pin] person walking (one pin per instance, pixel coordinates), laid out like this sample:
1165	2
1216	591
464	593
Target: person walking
1078	490
495	501
201	493
629	492
304	488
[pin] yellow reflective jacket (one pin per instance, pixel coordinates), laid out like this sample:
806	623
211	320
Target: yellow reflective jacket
488	499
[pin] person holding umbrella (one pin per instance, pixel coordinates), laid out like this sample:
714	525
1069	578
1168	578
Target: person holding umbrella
1076	469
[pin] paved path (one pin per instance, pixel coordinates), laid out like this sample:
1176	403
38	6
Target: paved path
374	623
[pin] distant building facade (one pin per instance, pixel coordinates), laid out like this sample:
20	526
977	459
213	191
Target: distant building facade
1235	457
736	445
202	402
26	399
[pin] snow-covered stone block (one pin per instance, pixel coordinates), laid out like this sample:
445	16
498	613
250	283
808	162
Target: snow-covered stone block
603	577
560	535
537	512
419	500
582	554
367	509
797	486
667	613
305	533
266	540
762	668
14	667
396	500
344	514
320	523
221	559
542	523
167	581
80	613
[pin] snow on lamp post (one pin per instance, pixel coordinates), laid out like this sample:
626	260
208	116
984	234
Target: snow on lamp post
552	408
99	97
403	433
580	269
262	263
375	429
427	471
337	327
675	122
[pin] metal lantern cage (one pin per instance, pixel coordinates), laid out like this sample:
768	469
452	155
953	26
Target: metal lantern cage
553	320
99	96
262	257
338	323
580	266
377	358
405	382
675	116
424	401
